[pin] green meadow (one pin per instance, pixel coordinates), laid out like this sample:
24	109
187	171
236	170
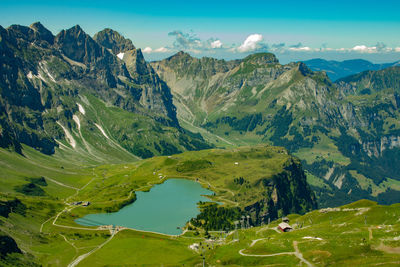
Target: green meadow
362	233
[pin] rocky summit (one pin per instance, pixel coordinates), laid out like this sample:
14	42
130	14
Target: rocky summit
69	91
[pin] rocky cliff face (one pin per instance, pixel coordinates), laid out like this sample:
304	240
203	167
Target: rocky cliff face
113	41
259	100
155	95
43	77
286	193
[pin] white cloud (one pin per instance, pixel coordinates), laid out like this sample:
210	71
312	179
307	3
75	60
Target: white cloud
147	50
190	42
161	50
251	43
300	49
364	49
216	44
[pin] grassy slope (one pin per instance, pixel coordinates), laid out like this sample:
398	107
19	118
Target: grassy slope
346	240
107	187
345	235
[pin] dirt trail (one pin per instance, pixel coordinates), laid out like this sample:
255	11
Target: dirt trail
387	249
82	257
202	129
299	255
59	183
370	232
296	252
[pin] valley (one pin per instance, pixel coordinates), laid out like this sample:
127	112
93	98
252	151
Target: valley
328	125
53	238
88	128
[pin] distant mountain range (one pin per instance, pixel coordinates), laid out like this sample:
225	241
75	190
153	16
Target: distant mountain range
339	69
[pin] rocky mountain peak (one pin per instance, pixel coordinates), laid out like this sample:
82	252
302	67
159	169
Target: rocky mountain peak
78	45
304	69
179	56
262	58
42	32
114	41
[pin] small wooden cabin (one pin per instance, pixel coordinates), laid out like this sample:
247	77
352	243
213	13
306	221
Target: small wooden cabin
285	227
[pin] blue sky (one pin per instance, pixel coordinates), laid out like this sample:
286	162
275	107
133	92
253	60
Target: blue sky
293	30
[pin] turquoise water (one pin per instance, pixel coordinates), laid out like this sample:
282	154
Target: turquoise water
164	208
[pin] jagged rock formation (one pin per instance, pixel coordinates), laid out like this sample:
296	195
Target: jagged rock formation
43	77
112	40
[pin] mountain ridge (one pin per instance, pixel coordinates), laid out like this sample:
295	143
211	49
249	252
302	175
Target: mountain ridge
45	76
292	106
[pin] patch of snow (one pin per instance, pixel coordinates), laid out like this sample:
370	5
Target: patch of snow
40	77
62	146
77	121
194	246
84	100
339	181
102	130
329	173
81	109
43	66
311	237
48	74
68	135
30	76
121	56
362	210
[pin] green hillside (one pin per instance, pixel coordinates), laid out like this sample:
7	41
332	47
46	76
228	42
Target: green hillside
345	133
264	179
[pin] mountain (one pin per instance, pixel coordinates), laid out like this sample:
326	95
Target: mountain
371	82
347	142
339	69
72	92
85	122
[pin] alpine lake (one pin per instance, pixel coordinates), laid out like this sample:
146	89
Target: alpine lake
164	209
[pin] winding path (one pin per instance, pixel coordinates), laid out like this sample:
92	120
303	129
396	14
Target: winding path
59	183
296	252
83	256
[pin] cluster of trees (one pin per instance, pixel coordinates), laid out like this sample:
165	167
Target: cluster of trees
213	217
248	123
16	206
281	124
